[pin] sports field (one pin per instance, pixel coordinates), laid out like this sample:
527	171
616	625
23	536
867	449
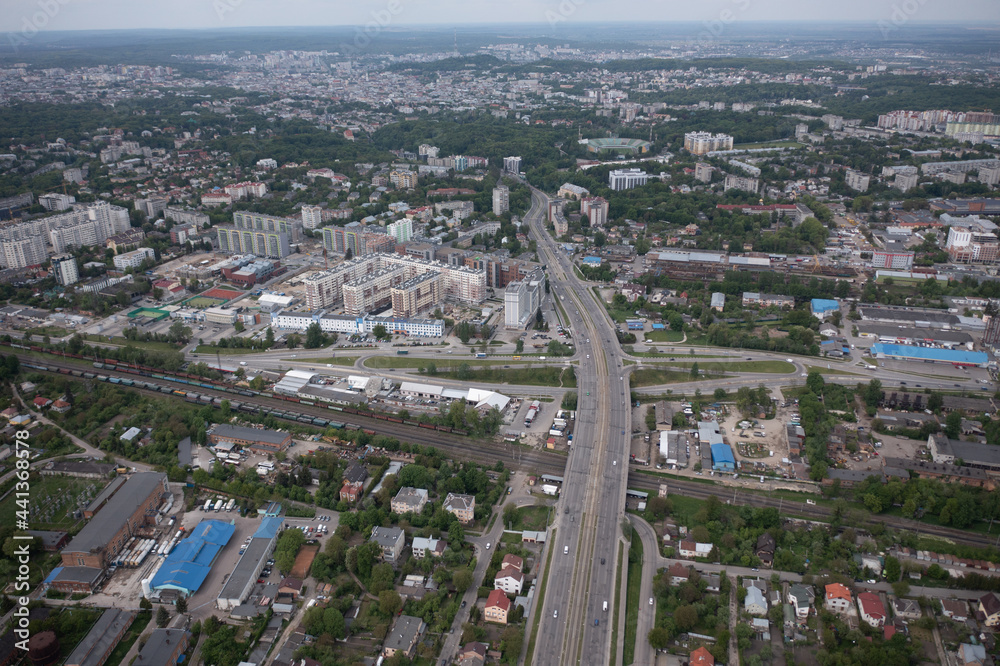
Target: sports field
202	302
220	293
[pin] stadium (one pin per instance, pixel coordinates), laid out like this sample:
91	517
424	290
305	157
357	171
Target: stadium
618	145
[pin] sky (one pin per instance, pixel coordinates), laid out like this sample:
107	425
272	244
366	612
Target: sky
26	15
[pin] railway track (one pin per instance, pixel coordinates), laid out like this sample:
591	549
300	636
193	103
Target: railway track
540	462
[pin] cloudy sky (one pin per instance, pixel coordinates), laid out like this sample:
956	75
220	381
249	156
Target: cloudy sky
18	15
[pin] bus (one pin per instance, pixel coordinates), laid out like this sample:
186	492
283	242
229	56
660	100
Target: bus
516	358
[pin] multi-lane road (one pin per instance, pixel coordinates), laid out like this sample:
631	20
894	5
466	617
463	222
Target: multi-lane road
575	625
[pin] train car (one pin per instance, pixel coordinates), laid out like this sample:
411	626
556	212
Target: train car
98	365
102	378
180	392
64	371
89	375
206	399
337	425
304	419
305	402
352	426
394	419
368	431
128	382
458	432
320	422
76	373
114	380
336	408
442	428
429	426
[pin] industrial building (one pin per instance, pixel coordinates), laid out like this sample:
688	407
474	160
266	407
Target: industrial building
907	335
822	307
134	506
972	454
188	564
263	441
102	638
930	355
240	583
164	647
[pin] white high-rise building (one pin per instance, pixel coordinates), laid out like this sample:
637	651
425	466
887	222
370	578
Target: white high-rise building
856	180
501	200
522	299
312	217
24	252
65	269
401	230
626	179
512	165
700	143
56	201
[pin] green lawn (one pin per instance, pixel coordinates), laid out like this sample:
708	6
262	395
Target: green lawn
614	619
632	600
776	367
664	336
444	364
831	371
225	351
139	344
51	331
56	495
531	518
345	361
655	376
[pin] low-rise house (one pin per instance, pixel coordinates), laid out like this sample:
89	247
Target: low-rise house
497	607
678	573
409	500
290	586
701	657
692	549
463	506
354	483
838	598
872	609
765	549
472	654
801	598
989	606
509	579
427	546
404	636
789	618
392	541
907	609
712	582
956	610
971	655
755	603
762	628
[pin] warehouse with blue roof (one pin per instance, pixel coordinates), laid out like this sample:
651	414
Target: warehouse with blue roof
930	354
722	458
187	566
821	307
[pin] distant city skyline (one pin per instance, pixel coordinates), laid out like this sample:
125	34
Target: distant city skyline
20	15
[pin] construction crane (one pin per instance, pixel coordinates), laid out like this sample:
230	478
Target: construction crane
815	263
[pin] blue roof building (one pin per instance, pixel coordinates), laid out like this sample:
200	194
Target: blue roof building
722	458
186	568
635	324
269	527
931	354
821	307
592	261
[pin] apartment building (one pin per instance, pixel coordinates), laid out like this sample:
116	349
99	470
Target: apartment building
743	183
522	300
463	506
371	292
290	226
401	230
65	270
501	200
972	245
24	252
700	143
312	217
856	180
133	259
269	244
892	260
703	172
403	180
596	210
357	239
416	295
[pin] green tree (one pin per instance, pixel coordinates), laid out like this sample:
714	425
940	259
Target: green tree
720	393
238	326
519	346
953	424
694	370
379	332
389	602
892	569
511	641
814	382
686	617
162	616
659	638
314	336
462	580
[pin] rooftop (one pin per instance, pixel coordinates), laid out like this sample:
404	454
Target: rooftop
95	535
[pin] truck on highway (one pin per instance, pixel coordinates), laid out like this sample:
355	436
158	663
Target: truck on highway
402	352
549	489
480	354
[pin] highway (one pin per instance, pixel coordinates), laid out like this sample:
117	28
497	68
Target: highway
575	628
